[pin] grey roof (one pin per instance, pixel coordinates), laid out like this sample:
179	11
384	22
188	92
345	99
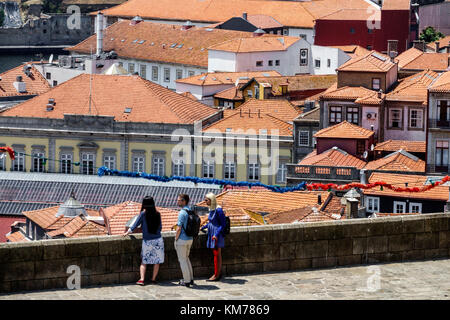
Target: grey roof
20	191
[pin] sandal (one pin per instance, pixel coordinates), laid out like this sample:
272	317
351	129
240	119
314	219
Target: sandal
140	283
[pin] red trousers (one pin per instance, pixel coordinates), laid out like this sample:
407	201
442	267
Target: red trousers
216	261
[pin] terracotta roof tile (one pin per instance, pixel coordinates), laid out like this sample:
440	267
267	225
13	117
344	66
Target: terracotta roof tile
79	226
43	217
353	50
263	22
407	56
278	108
298	83
442	84
35	83
218	78
397	161
413	88
233	94
396	5
438	193
358	94
443	43
267	201
333	157
345	130
263	43
111	95
189	95
16	237
158	40
314	114
353	14
242	217
288	13
243	122
426	60
395	145
371	62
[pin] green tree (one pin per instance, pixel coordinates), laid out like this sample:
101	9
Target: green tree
51	6
429	34
2	17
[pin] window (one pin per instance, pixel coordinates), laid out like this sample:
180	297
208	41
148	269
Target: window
369	30
335	115
158	166
259	63
138	163
353	115
270	63
208	169
178	168
415	207
277	62
66	163
154	73
314	140
360	147
250	93
19	162
48	75
179	74
441	155
281	173
376	83
303	57
395	118
256	91
303	138
109	161
302	36
143	71
415	118
253	171
131	68
55	83
399	207
87	163
317	63
279	32
352	30
3	162
166	75
328	63
229	171
443	112
369	47
38	162
285	32
191	73
372	204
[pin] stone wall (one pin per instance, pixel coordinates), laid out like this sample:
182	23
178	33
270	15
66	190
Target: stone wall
113	260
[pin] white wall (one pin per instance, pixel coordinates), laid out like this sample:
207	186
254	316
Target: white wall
161	66
221	61
196	91
58	74
336	56
296	32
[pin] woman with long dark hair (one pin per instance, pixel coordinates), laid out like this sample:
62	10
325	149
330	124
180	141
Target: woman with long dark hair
152	242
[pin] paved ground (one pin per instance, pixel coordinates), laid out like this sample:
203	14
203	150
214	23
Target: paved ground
410	280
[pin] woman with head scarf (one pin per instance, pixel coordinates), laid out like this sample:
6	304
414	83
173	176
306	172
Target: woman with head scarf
152	242
216	227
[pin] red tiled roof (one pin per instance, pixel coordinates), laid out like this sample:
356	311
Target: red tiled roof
407	56
288	13
158	40
5	225
217	78
358	94
35	83
16	237
232	93
353	50
414	59
395	145
267	201
111	95
333	157
442	84
43	217
263	22
397	161
344	130
298	83
278	108
396	5
443	42
438	193
413	88
265	43
189	95
371	62
79	226
242	217
353	14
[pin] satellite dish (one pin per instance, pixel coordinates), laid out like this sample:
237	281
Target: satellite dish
365	154
50	60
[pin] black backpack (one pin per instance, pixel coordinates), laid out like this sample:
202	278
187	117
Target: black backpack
227	226
193	224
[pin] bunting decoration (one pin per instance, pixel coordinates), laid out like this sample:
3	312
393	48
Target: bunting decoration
10	151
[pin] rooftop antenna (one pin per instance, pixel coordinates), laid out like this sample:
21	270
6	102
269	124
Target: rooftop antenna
90	83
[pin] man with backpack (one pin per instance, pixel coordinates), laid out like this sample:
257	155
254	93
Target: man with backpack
188	227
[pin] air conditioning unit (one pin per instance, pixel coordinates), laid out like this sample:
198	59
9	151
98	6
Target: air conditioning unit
371	115
66	62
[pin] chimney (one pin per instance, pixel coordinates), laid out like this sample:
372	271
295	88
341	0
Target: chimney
259	113
419	45
319	199
437	46
363	176
380	93
136	20
240	113
392	50
99	33
351	208
244	15
258	32
187	25
51	104
20	86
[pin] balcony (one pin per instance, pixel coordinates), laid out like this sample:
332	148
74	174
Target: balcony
327	174
439	124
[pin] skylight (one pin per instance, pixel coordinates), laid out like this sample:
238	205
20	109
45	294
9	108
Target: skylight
376	55
173	45
134	41
141	42
179	46
127	110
